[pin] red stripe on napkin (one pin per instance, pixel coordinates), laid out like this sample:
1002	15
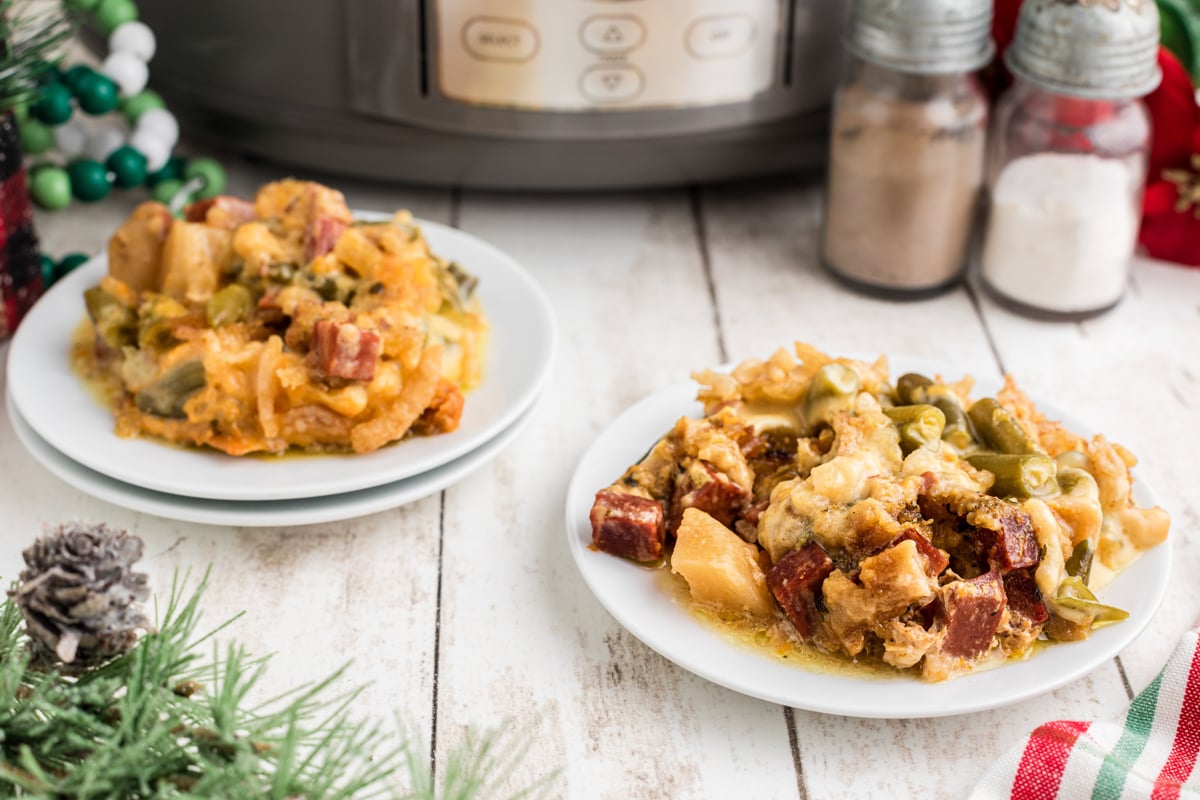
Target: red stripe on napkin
1186	747
1045	758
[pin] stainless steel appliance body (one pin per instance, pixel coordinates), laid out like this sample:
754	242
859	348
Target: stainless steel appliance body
544	94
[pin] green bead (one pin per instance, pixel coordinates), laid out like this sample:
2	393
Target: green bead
171	171
128	167
50	187
89	180
48	269
83	5
140	103
74	76
97	94
53	106
111	14
165	191
35	137
209	171
20	111
70	262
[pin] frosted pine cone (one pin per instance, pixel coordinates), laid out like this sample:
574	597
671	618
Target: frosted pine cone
80	597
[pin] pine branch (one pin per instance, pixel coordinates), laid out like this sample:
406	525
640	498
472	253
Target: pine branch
161	721
32	36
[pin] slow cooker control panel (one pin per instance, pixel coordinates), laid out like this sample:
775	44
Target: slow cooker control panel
584	55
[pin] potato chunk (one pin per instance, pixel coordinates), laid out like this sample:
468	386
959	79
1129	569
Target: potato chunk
720	567
193	258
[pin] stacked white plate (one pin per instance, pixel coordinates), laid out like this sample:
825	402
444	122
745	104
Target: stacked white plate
70	432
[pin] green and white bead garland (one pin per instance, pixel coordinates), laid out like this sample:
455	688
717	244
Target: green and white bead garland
98	160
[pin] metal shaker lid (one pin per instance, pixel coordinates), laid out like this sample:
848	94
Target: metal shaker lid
1088	48
922	36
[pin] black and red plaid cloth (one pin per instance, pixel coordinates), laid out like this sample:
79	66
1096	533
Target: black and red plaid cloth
20	272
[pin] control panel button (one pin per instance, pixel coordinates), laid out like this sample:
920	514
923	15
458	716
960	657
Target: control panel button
610	34
496	39
720	36
616	84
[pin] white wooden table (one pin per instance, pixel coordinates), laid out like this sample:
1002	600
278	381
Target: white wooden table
465	608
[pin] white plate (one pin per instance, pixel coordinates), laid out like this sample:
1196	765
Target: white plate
261	513
57	405
637	599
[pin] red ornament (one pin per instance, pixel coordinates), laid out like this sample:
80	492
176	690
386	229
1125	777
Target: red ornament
1171	210
20	273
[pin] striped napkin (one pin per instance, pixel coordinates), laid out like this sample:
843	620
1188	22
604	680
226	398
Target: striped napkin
1150	752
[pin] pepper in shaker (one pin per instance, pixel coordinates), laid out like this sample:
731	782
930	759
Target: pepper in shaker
1068	157
907	149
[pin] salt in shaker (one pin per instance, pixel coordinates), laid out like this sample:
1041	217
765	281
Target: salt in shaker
1068	156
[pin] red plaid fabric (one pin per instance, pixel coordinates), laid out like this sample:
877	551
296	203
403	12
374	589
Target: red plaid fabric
20	273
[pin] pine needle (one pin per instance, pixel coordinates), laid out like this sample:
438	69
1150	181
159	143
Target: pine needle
161	721
32	36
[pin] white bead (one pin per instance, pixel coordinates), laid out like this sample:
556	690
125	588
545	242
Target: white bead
155	148
70	139
134	38
102	142
127	71
162	123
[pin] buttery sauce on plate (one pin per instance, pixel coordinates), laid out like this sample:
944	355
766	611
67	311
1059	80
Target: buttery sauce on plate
769	639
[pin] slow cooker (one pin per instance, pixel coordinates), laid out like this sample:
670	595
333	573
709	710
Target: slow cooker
536	94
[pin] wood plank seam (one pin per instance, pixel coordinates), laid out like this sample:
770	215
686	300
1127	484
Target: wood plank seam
1124	678
973	296
789	719
706	261
437	639
455	216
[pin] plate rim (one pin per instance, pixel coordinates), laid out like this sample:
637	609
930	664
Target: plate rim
1102	651
371	500
375	470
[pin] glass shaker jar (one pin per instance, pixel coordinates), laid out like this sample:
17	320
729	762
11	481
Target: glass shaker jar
907	148
1068	158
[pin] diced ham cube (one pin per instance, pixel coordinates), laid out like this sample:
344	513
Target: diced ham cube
628	526
1013	546
796	583
706	489
1024	597
344	350
971	612
323	235
936	560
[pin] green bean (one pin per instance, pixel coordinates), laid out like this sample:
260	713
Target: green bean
958	431
833	389
1074	594
157	318
1076	481
919	426
1079	565
999	430
336	287
910	388
1026	475
115	324
166	396
228	306
914	389
281	272
156	333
